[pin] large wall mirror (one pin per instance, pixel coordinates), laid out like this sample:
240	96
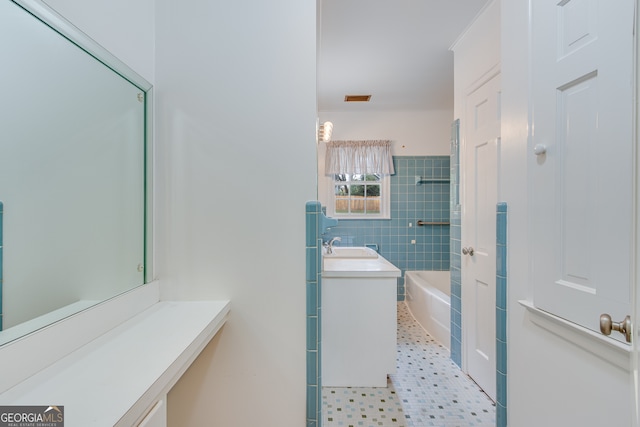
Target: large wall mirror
74	130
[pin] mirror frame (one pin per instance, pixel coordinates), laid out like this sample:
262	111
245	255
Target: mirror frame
39	10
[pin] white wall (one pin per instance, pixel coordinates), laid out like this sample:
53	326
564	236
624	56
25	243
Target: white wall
125	28
550	381
236	103
413	133
236	146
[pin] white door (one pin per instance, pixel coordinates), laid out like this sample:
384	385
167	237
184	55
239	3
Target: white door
480	186
582	200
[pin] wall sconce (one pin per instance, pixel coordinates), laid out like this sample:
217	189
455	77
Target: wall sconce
324	131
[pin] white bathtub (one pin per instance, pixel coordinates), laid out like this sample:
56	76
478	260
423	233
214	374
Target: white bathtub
428	296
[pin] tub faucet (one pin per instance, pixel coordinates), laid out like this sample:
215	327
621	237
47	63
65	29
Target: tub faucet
329	245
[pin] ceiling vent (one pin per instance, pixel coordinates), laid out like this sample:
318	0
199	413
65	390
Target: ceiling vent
357	98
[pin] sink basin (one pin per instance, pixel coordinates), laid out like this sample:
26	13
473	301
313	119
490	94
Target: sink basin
351	252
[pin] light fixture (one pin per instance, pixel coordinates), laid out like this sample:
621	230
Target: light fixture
324	131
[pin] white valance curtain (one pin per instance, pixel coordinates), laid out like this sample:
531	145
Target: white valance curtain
359	157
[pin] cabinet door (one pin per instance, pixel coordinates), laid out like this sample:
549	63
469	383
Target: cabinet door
359	325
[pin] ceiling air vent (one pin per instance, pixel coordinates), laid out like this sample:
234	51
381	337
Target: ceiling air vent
357	98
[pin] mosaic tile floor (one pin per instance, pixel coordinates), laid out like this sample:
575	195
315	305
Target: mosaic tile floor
428	389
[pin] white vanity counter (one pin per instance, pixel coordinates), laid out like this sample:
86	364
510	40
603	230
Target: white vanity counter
358	267
121	378
359	302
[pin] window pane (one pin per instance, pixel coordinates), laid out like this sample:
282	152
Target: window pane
342	190
357	190
342	205
373	177
357	177
373	190
342	198
357	205
373	205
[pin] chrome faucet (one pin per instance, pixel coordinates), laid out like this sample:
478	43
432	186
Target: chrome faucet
329	245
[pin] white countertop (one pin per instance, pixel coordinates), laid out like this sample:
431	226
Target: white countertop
359	267
114	379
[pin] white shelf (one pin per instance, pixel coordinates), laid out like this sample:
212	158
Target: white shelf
607	348
115	379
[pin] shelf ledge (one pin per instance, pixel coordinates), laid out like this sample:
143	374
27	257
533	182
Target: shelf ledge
116	378
610	350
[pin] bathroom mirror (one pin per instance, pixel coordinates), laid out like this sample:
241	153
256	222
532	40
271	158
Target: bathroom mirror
73	178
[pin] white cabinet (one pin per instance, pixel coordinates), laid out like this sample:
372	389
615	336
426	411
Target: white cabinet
359	323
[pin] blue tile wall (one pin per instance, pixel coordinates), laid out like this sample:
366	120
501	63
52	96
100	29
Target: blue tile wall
1	250
501	314
455	245
428	201
314	228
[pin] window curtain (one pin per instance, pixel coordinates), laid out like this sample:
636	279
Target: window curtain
359	157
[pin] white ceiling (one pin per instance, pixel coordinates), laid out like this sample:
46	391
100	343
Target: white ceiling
395	50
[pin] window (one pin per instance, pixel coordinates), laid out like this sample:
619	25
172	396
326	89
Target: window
358	179
359	196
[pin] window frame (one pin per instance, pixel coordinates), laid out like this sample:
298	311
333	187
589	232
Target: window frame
385	199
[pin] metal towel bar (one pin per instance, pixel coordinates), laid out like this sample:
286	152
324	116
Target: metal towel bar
421	223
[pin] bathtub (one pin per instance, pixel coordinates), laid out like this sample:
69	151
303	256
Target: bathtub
428	297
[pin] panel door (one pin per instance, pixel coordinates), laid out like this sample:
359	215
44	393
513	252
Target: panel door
480	185
582	159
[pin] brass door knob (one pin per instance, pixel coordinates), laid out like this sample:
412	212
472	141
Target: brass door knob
624	327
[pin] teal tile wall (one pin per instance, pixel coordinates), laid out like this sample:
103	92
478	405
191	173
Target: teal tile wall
313	221
456	289
501	314
428	201
455	244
